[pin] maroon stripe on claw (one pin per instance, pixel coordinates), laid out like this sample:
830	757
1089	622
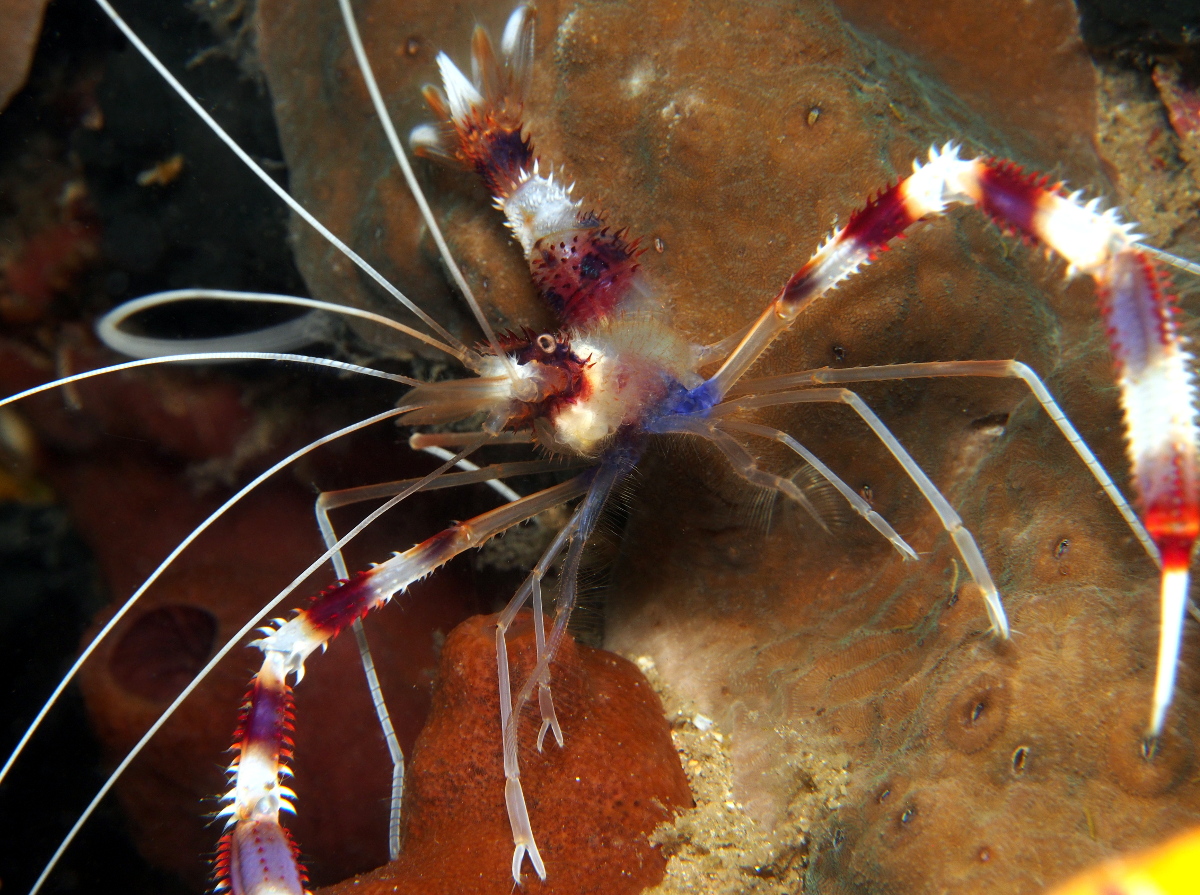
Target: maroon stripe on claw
339	606
1010	196
491	143
801	285
267	718
584	274
1138	312
504	156
260	858
882	219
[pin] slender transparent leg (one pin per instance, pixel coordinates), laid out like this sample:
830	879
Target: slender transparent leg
331	500
495	484
951	522
368	663
576	532
743	463
545	700
489	475
987	368
1007	369
860	506
419	441
514	797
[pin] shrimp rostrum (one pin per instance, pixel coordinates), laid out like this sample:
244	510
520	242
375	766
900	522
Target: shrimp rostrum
614	375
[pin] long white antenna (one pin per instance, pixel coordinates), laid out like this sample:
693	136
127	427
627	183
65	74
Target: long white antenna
410	178
262	175
228	647
162	567
213	356
108	327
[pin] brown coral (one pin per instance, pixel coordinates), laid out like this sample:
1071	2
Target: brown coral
732	138
20	22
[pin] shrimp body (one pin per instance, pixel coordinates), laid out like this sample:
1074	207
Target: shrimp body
616	364
633	369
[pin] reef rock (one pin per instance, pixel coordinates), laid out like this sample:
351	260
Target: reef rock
20	23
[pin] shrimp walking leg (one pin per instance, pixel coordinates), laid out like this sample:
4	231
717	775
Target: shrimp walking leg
576	533
855	500
951	522
985	368
253	854
419	441
378	702
743	462
514	797
330	500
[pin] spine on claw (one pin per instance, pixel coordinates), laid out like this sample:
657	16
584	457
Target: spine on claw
256	855
1154	368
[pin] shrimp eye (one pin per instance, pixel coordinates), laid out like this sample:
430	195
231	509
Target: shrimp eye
547	343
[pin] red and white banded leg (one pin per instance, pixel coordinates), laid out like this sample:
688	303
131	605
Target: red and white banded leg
1153	365
492	476
256	855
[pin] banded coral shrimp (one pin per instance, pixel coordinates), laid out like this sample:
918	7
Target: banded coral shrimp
877	488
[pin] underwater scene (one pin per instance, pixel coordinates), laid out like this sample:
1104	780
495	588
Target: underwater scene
797	468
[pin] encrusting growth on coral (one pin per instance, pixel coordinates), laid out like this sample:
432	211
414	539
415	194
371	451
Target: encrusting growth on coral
594	802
